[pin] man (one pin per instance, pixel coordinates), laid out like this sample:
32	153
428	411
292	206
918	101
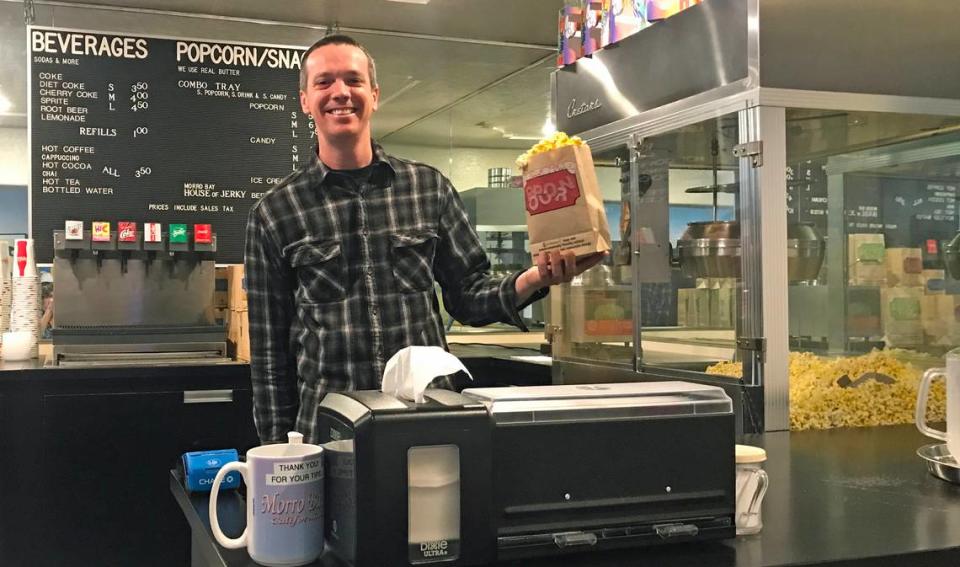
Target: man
342	255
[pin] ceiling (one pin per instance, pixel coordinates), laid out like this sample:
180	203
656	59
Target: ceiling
452	72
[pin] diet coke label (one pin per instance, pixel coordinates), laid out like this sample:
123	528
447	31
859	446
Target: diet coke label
151	232
127	231
550	192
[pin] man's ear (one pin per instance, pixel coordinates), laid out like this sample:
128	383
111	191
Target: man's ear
376	98
303	103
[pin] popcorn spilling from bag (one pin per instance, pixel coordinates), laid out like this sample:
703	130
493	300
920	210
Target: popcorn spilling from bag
558	140
819	398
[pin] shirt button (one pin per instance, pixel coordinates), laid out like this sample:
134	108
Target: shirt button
365	232
370	271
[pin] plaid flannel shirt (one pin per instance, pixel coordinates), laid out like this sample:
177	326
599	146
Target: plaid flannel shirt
340	276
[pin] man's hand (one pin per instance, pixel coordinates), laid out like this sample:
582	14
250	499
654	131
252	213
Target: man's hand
554	268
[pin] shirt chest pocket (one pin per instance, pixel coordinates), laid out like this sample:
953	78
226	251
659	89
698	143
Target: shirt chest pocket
413	260
320	271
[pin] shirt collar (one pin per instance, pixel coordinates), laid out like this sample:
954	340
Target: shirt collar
383	170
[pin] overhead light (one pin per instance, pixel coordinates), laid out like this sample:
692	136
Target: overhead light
410	84
549	128
411	1
504	133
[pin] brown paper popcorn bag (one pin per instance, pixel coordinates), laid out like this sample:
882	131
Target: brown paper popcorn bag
562	198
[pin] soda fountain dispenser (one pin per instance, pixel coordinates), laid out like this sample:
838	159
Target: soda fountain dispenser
143	297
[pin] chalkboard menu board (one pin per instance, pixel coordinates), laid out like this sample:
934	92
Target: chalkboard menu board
146	129
907	211
807	194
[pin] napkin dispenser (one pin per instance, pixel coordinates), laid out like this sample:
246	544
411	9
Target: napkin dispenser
503	473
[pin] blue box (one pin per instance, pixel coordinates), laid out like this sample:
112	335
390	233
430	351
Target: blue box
200	468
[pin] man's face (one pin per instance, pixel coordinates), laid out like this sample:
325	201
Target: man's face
338	94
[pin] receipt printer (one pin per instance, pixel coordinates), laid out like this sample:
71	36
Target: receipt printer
503	473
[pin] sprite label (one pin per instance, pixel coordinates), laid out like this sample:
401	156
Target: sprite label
178	233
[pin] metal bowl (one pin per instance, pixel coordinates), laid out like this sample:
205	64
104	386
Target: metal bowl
805	251
940	462
711	229
710	249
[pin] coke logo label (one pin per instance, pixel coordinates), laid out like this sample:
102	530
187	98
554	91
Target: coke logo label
551	191
127	234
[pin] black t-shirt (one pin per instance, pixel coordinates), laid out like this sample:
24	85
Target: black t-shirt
357	177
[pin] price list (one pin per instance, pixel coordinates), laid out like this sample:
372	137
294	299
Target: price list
143	129
907	211
807	194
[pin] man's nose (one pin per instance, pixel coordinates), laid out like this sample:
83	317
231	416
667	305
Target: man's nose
340	88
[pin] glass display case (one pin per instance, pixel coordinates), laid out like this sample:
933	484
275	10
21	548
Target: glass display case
801	203
669	256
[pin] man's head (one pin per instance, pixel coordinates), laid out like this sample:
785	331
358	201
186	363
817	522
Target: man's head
338	88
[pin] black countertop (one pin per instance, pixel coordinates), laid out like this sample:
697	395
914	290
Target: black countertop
33	370
845	497
36	369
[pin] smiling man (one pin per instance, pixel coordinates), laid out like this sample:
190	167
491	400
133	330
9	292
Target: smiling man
342	256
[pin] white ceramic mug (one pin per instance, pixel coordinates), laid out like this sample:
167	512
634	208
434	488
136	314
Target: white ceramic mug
951	374
17	345
284	503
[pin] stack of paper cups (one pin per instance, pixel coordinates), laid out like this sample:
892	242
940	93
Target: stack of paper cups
6	287
25	307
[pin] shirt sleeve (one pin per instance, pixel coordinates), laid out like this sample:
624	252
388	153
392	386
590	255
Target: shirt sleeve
462	268
271	309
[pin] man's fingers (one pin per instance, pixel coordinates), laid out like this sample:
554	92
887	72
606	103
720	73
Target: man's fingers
569	266
556	267
542	266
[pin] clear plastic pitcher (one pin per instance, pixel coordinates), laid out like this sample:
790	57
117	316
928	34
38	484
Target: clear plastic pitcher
752	482
950	373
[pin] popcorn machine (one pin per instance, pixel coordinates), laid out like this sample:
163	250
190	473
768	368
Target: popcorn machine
832	171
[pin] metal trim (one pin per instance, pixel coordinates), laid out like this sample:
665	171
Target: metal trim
753	43
281	23
711	104
207	396
827	100
764	238
501	228
29	133
891	155
745	94
635	145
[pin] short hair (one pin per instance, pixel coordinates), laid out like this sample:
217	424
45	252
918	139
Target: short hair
337	39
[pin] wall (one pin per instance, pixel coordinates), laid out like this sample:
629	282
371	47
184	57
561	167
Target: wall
465	167
14	167
14	177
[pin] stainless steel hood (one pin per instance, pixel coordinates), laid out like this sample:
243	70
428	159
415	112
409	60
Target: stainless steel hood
727	47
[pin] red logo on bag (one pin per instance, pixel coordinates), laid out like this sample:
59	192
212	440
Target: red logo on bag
550	192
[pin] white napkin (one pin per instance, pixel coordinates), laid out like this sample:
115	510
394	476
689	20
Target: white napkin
410	371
